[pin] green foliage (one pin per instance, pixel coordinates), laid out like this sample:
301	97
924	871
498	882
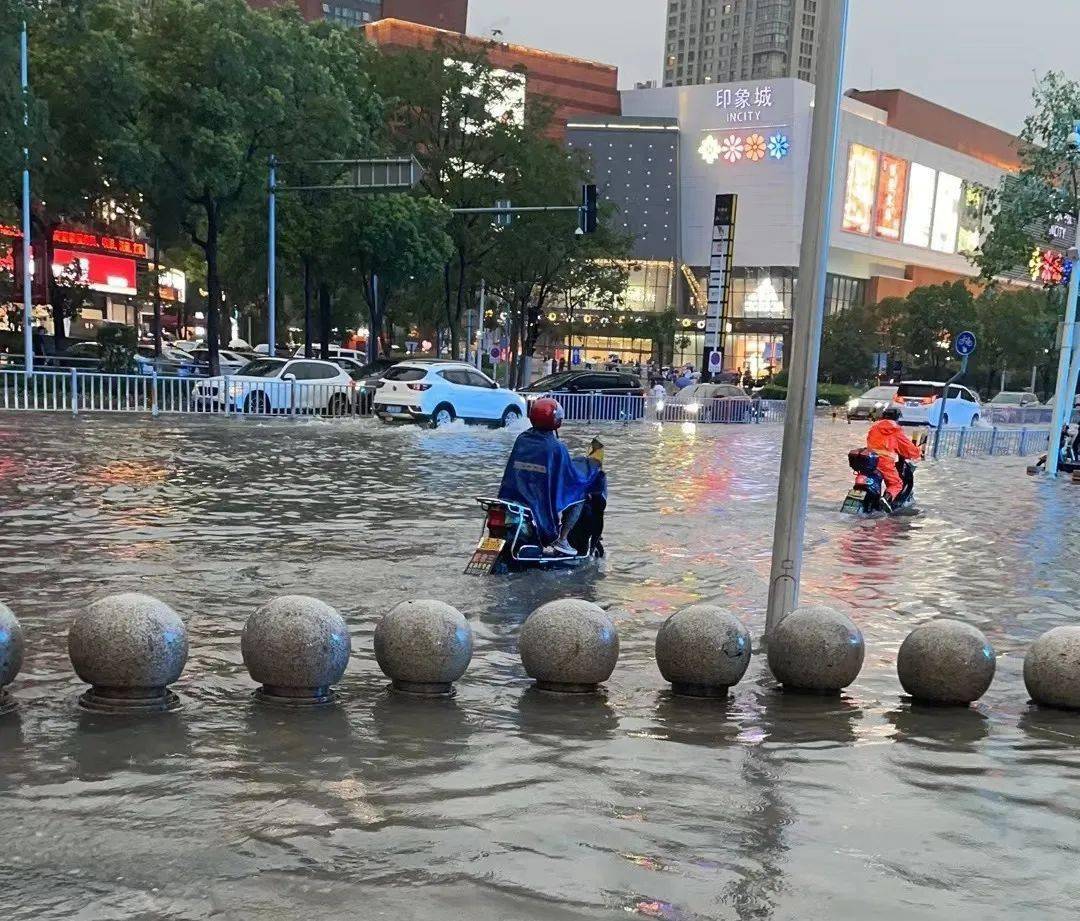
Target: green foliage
847	345
118	345
1046	185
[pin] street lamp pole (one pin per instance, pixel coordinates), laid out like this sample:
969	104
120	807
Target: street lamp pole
271	280
1063	396
28	280
809	315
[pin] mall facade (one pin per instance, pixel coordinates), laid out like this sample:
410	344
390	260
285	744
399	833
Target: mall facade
908	207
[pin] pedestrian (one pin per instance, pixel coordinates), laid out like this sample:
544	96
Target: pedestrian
39	337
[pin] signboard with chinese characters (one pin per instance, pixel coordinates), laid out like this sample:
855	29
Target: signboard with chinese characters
721	253
892	187
744	106
82	239
859	195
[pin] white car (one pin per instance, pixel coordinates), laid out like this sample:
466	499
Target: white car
336	351
920	403
438	392
276	385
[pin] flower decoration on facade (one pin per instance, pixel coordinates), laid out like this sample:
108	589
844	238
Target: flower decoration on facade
755	148
731	148
1049	267
709	149
779	146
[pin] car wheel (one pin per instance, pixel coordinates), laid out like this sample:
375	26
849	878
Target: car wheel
511	416
257	403
945	419
443	415
975	420
338	405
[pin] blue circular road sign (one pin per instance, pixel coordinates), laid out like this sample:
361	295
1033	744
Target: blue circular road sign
965	343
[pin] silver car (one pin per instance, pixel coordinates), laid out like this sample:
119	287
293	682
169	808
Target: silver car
871	403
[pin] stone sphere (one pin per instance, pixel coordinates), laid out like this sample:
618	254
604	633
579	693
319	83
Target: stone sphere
816	648
946	662
569	646
11	645
296	647
130	647
423	647
703	650
1052	669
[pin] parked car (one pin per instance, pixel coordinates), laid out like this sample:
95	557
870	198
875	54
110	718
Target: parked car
714	403
871	403
270	385
1021	398
366	376
173	362
608	382
438	392
335	351
83	356
920	403
229	362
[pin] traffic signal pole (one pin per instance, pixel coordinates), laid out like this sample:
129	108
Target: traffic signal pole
809	314
28	275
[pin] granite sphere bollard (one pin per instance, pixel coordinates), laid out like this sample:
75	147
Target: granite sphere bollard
423	647
702	650
946	662
569	646
1052	669
296	647
129	648
11	654
816	648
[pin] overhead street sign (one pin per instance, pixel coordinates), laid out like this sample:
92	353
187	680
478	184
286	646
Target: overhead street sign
391	174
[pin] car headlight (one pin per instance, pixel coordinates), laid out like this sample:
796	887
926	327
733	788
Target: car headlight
659	406
692	408
235	390
854	404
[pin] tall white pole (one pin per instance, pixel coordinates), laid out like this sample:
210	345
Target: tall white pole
271	268
1063	396
28	278
808	318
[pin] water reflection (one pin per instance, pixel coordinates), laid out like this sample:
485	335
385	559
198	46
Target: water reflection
507	802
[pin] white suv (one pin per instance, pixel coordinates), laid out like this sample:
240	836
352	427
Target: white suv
279	385
438	392
920	403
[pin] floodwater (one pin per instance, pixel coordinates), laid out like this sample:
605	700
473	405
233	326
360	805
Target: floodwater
505	803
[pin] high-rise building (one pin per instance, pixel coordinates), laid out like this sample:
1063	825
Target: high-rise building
440	14
721	41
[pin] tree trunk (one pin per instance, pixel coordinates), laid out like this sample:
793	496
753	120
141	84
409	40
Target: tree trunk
307	307
375	318
324	321
213	290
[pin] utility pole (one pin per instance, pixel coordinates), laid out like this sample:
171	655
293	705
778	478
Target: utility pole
809	313
157	295
28	275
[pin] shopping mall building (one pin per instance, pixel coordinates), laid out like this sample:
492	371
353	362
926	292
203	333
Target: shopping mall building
909	194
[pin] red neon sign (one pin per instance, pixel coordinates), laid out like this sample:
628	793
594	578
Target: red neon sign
9	230
119	245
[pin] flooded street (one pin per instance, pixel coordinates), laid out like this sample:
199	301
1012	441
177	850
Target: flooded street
506	803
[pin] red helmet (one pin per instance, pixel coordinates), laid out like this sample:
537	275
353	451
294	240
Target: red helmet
546	414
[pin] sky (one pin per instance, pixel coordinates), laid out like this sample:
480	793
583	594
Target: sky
979	57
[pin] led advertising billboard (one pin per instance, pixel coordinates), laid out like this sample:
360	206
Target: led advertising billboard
859	195
920	205
946	213
110	274
892	187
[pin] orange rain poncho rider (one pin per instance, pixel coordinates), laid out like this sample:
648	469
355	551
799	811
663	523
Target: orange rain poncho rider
890	443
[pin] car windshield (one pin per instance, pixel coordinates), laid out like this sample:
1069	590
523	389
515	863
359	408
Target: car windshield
1009	398
375	367
879	393
919	390
405	373
262	367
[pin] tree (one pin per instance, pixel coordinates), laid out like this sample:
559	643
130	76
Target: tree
1045	187
391	242
1014	328
226	87
848	341
86	93
932	316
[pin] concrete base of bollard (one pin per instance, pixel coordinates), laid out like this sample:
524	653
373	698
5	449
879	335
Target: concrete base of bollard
295	698
556	687
130	700
699	690
423	688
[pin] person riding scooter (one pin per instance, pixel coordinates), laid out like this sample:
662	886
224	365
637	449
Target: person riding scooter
541	475
889	441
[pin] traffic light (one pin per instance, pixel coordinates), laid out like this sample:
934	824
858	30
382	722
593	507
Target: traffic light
587	218
507	218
